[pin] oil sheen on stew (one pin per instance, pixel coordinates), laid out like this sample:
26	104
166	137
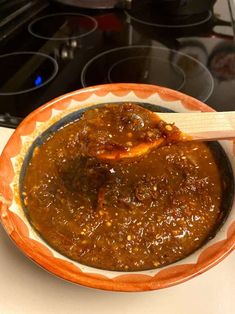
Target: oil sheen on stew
95	195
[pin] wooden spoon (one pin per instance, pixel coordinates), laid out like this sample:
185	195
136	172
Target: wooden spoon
201	126
204	126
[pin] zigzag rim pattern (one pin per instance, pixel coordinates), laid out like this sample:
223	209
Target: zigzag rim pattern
43	255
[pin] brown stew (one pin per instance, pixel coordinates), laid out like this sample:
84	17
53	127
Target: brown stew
122	213
122	131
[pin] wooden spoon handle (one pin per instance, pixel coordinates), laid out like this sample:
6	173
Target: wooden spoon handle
204	125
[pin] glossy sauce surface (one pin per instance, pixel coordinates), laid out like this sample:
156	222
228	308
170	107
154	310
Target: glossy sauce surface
122	214
122	131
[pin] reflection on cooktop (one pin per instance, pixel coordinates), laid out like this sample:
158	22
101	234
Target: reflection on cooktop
25	71
62	26
150	65
52	49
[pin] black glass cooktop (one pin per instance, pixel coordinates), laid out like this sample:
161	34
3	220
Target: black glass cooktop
150	65
48	49
62	26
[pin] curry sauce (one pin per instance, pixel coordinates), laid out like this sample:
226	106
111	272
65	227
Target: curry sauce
135	213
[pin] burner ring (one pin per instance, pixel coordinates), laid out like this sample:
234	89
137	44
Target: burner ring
209	16
89	19
44	56
198	81
175	67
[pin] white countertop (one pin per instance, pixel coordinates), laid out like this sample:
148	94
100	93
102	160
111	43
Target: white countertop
25	288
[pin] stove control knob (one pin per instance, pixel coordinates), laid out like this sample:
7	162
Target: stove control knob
73	43
64	53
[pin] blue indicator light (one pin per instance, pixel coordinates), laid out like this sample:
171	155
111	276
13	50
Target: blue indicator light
38	80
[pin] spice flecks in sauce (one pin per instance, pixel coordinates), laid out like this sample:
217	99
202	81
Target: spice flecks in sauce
127	214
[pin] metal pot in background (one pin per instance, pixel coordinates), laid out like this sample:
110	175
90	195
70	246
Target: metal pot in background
169	7
160	31
183	7
91	4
